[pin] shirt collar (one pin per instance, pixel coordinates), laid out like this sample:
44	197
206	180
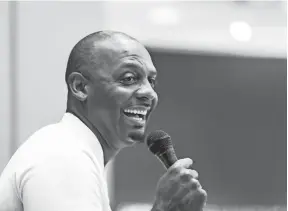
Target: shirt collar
85	134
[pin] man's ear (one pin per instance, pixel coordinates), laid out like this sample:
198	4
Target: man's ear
77	85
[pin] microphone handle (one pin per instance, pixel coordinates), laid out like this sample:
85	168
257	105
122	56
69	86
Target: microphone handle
168	158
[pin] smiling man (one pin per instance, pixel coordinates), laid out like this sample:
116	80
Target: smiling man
111	79
112	89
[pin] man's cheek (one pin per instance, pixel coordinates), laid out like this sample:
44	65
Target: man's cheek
122	95
105	101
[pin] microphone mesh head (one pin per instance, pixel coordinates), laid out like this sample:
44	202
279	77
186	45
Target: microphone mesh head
159	141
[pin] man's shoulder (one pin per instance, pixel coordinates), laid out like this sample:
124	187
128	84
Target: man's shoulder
49	140
48	131
46	142
48	145
51	153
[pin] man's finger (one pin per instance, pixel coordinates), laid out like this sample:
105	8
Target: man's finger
194	173
184	163
196	201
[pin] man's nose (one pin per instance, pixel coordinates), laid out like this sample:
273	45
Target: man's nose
146	92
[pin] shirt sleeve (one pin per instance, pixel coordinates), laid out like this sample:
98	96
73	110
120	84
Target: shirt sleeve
63	182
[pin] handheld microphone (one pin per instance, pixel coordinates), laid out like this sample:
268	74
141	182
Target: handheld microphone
160	144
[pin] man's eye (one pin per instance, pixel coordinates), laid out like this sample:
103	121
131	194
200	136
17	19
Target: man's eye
152	81
129	80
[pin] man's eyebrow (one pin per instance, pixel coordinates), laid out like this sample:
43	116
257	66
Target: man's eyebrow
131	64
137	65
153	73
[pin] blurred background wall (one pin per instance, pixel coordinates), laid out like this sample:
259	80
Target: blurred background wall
222	71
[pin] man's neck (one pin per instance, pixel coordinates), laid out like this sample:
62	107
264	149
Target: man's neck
108	152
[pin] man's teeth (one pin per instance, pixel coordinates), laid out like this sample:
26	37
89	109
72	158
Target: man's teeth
137	118
136	111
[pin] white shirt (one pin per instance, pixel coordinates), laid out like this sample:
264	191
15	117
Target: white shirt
59	168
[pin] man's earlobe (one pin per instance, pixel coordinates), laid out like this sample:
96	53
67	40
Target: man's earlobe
77	85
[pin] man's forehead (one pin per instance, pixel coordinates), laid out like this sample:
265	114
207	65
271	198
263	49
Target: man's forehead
121	47
112	54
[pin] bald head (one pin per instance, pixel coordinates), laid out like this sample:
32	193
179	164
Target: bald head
107	73
86	54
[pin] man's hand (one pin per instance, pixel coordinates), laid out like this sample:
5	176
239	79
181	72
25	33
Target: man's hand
179	190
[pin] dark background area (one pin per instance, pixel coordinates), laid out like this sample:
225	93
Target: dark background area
226	113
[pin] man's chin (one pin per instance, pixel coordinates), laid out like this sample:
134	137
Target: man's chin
136	137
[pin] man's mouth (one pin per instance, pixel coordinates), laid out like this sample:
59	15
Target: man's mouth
136	115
